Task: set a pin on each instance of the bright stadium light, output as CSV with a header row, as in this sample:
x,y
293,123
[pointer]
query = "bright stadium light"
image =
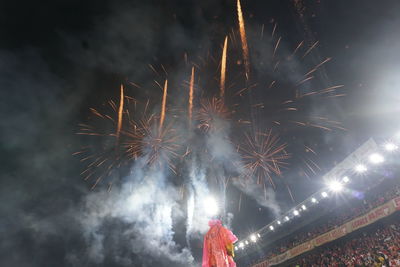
x,y
360,168
271,228
390,147
313,200
247,242
253,238
303,207
241,245
335,186
278,222
236,248
346,179
258,235
211,206
324,194
295,212
376,158
287,218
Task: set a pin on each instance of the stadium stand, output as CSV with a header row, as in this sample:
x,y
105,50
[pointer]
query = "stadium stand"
x,y
374,245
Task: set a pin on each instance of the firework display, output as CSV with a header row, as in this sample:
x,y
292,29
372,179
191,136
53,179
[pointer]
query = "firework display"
x,y
235,110
129,126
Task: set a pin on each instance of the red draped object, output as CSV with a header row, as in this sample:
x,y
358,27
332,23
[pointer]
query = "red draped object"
x,y
217,242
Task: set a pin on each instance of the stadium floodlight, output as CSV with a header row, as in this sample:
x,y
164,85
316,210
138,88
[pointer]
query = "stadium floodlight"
x,y
335,186
236,248
241,245
287,218
295,212
258,235
303,207
278,222
324,194
390,147
253,238
360,168
247,242
313,200
346,179
271,228
376,158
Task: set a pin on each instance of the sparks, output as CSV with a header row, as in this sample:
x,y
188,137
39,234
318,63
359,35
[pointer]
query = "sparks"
x,y
223,69
157,146
243,38
164,103
210,112
121,107
263,156
191,89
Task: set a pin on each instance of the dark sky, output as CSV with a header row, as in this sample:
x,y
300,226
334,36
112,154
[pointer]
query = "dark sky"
x,y
59,58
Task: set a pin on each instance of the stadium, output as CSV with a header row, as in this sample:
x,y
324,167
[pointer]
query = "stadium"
x,y
212,133
354,221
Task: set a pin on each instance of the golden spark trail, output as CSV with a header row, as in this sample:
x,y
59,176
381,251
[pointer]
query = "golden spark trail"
x,y
223,69
297,48
191,88
317,66
243,38
305,80
273,31
121,107
290,192
310,149
276,47
311,48
164,102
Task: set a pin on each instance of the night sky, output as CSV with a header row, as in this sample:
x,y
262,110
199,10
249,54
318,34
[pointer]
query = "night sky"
x,y
60,58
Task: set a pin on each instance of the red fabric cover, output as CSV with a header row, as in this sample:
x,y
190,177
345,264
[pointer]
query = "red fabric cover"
x,y
214,248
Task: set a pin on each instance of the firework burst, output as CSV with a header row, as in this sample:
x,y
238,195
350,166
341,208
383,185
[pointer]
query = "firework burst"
x,y
155,146
263,156
211,113
108,157
281,97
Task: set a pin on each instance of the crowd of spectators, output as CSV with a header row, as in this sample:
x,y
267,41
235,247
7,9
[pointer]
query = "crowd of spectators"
x,y
341,216
378,247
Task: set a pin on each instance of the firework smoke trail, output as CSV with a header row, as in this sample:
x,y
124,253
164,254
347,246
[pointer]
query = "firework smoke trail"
x,y
148,219
197,213
191,90
223,69
243,38
121,107
164,103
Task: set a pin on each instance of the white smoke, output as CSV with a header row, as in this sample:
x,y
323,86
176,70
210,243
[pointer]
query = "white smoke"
x,y
265,198
198,217
147,213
